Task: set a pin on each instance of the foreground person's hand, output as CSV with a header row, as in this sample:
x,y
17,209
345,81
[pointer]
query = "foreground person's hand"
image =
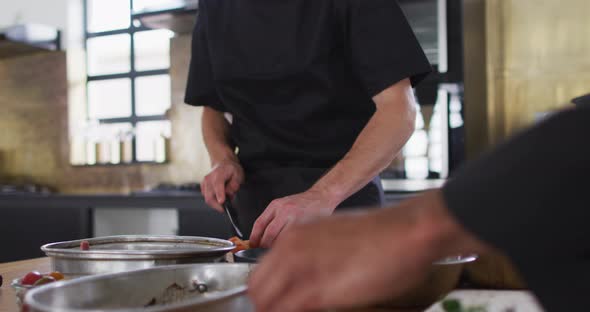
x,y
354,260
224,179
283,212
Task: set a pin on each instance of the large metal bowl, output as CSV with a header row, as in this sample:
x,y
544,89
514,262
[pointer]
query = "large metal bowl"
x,y
442,278
222,285
114,254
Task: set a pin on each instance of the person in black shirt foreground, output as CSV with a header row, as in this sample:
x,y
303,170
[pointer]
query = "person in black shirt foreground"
x,y
527,198
320,97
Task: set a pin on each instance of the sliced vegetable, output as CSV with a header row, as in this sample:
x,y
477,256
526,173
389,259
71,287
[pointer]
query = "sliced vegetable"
x,y
240,244
44,280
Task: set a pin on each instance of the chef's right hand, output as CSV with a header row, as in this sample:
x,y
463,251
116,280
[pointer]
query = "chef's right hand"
x,y
224,180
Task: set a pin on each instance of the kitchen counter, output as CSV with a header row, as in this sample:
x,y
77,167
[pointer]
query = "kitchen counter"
x,y
12,270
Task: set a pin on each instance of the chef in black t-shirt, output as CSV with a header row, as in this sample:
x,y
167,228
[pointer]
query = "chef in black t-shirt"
x,y
319,94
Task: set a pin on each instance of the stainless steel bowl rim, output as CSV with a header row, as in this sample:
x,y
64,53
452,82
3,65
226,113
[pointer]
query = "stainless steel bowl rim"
x,y
52,249
457,260
212,298
17,283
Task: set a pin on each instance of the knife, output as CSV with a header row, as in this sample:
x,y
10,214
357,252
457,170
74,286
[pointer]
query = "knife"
x,y
231,215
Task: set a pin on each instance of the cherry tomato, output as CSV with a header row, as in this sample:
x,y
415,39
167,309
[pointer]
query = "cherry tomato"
x,y
56,275
84,245
31,278
44,280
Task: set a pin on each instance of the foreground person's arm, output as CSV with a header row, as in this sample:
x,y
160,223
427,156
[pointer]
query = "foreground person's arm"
x,y
375,148
528,198
525,198
357,259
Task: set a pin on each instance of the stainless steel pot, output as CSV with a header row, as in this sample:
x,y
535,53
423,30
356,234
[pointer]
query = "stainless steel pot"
x,y
219,287
126,253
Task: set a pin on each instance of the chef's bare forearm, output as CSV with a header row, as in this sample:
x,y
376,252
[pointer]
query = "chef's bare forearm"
x,y
379,142
216,134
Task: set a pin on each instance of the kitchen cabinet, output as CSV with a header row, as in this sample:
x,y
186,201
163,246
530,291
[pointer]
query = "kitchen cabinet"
x,y
24,230
28,222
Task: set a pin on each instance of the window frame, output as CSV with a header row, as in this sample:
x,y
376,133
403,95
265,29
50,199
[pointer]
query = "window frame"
x,y
132,75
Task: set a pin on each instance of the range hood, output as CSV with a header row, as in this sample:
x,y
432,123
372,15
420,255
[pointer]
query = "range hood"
x,y
175,15
27,39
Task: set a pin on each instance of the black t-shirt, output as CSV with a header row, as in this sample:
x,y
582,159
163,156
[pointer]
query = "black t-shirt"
x,y
298,76
529,198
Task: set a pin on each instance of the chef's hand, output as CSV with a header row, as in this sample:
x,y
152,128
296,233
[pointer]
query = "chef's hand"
x,y
283,212
354,259
224,180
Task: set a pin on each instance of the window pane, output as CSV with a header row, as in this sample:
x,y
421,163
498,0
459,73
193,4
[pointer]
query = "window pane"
x,y
416,168
109,98
109,55
152,140
152,49
110,143
152,95
106,15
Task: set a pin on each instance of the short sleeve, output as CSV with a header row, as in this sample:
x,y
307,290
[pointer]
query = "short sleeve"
x,y
200,87
383,46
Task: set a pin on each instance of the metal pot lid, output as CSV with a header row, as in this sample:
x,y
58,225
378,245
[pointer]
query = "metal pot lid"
x,y
140,247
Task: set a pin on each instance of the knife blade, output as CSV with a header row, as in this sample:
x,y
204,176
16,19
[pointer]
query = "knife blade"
x,y
231,215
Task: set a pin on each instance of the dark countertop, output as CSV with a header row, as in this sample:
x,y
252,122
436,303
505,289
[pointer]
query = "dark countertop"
x,y
180,200
172,200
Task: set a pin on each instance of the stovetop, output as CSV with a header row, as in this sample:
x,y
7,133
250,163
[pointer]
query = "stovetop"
x,y
24,189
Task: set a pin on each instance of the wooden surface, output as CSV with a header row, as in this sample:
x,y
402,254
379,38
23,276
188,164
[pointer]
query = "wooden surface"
x,y
12,270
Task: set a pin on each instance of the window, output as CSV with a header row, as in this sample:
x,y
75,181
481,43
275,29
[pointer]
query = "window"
x,y
128,85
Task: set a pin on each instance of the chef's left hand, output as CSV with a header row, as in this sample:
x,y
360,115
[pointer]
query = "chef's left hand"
x,y
283,212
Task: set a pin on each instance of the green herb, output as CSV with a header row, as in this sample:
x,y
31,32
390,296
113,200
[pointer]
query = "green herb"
x,y
454,305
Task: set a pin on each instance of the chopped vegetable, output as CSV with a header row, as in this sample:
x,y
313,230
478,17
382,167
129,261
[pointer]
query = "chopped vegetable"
x,y
84,245
31,278
44,280
58,276
240,244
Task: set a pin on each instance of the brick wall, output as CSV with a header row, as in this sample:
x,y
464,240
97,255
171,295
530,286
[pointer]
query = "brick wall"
x,y
34,140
